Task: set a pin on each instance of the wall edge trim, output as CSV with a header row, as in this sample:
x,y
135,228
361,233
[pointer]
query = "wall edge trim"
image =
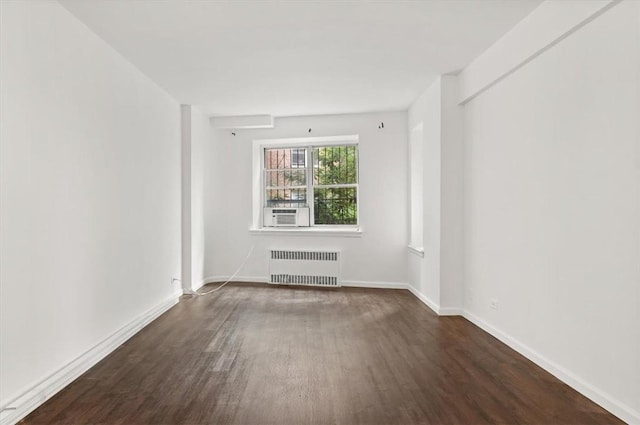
x,y
425,300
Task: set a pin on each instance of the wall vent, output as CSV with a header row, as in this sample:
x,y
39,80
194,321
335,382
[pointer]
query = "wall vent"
x,y
304,255
313,268
294,279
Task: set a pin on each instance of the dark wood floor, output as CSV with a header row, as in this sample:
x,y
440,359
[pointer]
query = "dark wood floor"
x,y
259,354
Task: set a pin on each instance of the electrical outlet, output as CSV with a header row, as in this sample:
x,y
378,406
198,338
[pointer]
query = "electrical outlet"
x,y
493,304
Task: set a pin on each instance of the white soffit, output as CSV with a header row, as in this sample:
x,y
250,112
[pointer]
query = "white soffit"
x,y
240,122
547,25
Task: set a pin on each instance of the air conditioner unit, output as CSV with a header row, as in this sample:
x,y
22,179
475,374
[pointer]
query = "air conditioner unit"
x,y
288,217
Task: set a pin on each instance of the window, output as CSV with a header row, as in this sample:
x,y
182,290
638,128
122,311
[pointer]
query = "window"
x,y
335,184
331,181
285,177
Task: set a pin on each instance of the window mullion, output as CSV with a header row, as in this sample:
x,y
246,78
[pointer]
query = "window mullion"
x,y
336,186
310,194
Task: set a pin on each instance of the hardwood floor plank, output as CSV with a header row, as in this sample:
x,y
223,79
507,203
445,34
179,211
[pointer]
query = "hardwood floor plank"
x,y
260,354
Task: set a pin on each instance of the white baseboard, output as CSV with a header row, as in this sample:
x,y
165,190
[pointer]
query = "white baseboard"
x,y
440,311
349,283
31,399
37,395
198,285
221,279
605,400
433,306
376,285
609,403
450,311
617,408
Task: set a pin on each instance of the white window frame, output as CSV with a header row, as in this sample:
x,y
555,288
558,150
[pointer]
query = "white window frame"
x,y
309,143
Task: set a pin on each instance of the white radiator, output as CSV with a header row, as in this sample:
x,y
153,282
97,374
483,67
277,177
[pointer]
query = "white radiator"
x,y
313,268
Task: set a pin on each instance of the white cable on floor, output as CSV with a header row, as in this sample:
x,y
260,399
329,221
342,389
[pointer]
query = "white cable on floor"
x,y
229,280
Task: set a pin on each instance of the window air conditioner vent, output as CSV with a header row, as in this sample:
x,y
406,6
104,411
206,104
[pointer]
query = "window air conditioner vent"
x,y
285,220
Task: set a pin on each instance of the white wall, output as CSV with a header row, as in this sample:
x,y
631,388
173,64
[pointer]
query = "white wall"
x,y
451,198
416,182
186,232
196,133
378,256
437,278
201,135
425,271
90,191
552,208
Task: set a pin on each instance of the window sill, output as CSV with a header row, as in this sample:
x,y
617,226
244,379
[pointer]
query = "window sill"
x,y
416,250
351,232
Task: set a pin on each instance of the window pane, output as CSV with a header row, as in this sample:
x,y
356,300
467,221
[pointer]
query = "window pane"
x,y
284,170
298,158
296,177
275,159
286,198
335,205
335,165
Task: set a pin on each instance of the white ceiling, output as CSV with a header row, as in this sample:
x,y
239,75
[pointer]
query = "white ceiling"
x,y
298,57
